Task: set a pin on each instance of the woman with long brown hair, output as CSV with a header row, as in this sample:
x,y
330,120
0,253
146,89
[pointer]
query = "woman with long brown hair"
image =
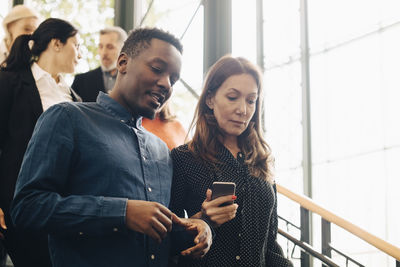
x,y
228,146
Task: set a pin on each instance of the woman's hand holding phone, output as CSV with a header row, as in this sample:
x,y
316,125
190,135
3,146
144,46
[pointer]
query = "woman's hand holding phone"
x,y
216,213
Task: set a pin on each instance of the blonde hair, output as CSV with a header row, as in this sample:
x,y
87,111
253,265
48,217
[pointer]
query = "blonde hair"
x,y
17,12
205,139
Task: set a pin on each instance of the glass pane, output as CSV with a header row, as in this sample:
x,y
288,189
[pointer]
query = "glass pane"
x,y
244,30
174,16
390,84
355,115
283,115
334,21
282,84
347,101
392,197
281,31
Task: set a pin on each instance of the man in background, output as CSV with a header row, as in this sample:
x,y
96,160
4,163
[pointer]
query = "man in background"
x,y
88,84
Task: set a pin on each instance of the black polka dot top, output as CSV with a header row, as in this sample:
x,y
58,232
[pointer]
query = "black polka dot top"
x,y
247,240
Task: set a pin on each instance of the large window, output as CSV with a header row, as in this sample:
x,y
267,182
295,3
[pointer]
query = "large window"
x,y
354,87
354,90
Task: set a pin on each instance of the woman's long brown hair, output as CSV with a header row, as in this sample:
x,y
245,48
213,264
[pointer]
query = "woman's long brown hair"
x,y
205,139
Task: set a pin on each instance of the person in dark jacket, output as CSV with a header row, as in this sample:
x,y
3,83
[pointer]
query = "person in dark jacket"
x,y
102,79
30,82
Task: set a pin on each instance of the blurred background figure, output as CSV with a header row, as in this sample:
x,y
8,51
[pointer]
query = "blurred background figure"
x,y
20,20
89,84
166,127
30,82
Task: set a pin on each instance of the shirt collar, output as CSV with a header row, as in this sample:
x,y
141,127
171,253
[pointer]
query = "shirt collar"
x,y
109,73
38,73
117,110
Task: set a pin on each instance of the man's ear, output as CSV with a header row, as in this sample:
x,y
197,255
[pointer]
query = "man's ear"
x,y
122,63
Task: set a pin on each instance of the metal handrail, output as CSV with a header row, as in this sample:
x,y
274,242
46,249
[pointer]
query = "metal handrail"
x,y
308,249
310,205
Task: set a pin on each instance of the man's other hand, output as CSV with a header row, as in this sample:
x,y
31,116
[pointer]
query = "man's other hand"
x,y
150,218
202,232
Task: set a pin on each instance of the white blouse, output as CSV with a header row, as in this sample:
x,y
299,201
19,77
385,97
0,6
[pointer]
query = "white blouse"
x,y
50,91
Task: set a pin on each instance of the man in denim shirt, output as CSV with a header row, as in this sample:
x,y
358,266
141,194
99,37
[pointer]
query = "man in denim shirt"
x,y
96,181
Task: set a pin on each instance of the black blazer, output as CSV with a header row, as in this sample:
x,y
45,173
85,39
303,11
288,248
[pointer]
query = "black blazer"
x,y
20,108
89,84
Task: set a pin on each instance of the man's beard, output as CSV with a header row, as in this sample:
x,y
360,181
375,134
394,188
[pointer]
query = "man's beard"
x,y
113,66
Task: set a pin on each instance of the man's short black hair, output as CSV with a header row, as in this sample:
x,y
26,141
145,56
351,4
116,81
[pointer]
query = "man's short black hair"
x,y
140,39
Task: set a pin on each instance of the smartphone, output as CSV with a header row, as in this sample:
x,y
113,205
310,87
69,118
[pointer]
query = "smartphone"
x,y
220,189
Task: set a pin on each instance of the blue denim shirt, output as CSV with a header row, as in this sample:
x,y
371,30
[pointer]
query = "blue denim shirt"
x,y
82,164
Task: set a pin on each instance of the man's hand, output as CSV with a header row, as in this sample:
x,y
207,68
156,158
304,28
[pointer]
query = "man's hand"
x,y
2,223
202,232
150,218
215,214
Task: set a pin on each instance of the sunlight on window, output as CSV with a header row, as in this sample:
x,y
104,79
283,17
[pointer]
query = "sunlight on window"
x,y
354,87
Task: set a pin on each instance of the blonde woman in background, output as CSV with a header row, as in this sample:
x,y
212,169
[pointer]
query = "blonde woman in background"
x,y
20,20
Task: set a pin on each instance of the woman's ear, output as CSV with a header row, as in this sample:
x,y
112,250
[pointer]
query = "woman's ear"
x,y
56,45
210,102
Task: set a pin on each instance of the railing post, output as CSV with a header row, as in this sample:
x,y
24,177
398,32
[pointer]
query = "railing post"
x,y
305,235
326,238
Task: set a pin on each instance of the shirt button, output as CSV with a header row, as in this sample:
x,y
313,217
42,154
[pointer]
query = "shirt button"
x,y
152,256
80,233
239,235
115,229
122,121
143,157
237,258
149,189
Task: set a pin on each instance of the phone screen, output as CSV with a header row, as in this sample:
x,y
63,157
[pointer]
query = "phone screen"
x,y
220,189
